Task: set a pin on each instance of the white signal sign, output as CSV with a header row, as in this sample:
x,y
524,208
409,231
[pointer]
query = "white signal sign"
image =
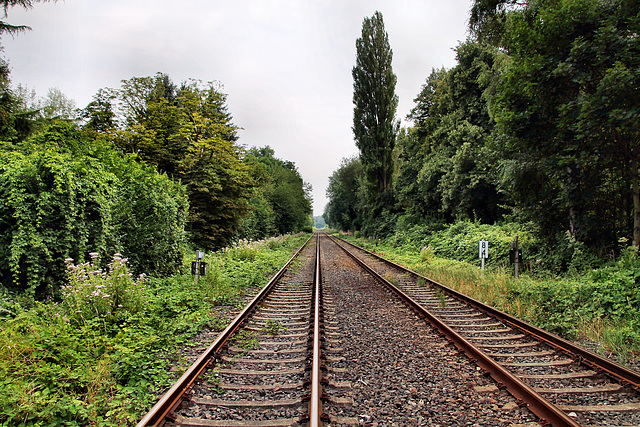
x,y
483,249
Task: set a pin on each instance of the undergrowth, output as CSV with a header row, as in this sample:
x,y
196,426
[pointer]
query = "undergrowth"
x,y
599,304
96,358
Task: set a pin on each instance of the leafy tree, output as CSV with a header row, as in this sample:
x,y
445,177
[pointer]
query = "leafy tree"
x,y
100,115
58,105
345,208
415,198
564,62
375,104
446,149
187,133
15,123
219,184
609,111
55,105
260,223
489,16
282,201
419,171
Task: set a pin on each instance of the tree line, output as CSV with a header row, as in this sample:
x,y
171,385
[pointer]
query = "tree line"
x,y
147,170
538,123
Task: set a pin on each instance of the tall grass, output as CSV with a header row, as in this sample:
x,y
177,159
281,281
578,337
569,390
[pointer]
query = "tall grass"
x,y
492,287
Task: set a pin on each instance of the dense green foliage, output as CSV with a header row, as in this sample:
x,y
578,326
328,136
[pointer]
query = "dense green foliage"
x,y
186,132
281,202
343,210
64,196
446,148
152,167
566,108
538,124
94,360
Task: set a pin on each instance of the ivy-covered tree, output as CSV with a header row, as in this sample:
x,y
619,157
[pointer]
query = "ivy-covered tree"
x,y
375,103
64,194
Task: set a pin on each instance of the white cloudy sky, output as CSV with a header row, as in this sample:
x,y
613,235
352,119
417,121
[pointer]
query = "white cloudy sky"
x,y
285,64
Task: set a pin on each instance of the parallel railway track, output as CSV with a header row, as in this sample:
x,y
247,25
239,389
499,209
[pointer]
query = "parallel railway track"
x,y
559,381
255,372
287,360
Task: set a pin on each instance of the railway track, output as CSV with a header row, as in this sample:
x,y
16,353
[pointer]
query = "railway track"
x,y
366,357
560,382
256,373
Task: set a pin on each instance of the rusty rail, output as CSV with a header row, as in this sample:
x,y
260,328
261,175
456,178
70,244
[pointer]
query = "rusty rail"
x,y
172,398
315,404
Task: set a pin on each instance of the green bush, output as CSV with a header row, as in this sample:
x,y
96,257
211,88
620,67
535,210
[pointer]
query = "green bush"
x,y
459,241
63,195
149,215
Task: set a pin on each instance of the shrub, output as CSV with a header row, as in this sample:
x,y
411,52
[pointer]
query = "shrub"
x,y
80,373
63,195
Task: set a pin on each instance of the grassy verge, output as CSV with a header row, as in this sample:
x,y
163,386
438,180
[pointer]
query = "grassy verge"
x,y
601,305
93,359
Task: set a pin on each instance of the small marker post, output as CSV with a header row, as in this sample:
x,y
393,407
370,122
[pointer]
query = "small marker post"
x,y
483,251
195,266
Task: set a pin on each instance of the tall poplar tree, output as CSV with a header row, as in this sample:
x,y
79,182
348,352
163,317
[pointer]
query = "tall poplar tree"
x,y
375,103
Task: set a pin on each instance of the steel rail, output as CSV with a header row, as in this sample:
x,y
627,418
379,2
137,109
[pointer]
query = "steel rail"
x,y
619,372
172,398
315,403
535,402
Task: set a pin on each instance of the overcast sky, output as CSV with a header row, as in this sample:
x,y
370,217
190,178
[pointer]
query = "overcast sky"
x,y
285,64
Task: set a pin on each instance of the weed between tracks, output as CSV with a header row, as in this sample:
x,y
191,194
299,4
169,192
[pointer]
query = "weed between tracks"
x,y
246,340
273,327
442,298
389,277
212,377
109,368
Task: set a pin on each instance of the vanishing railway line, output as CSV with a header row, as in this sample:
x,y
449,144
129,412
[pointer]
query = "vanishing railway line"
x,y
562,383
329,341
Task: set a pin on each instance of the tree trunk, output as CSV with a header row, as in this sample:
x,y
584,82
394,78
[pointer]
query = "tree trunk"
x,y
574,191
635,192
